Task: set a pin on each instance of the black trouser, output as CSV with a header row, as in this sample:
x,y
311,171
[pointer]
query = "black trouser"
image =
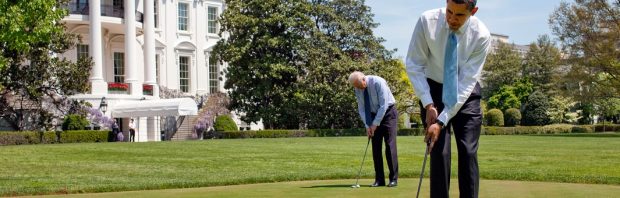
x,y
466,125
132,135
386,131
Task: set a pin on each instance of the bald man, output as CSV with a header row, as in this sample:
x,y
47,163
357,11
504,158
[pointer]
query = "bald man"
x,y
375,104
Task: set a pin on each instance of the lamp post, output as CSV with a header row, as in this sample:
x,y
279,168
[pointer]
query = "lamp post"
x,y
103,106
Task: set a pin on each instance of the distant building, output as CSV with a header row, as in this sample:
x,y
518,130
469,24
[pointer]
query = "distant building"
x,y
496,38
138,45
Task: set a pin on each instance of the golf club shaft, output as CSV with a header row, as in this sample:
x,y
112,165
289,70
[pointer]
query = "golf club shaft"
x,y
363,159
423,166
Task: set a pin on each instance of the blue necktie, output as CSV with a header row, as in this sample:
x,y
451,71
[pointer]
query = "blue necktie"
x,y
450,76
367,107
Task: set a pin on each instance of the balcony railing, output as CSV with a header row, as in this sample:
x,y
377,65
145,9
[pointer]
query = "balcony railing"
x,y
106,10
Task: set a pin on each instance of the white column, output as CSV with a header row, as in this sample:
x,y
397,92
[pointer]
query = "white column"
x,y
152,128
141,129
131,74
98,85
149,46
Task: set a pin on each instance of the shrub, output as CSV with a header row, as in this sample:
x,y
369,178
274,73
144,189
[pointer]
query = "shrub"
x,y
556,128
225,123
535,113
495,118
582,129
265,134
74,122
411,132
512,117
338,132
607,127
84,136
27,137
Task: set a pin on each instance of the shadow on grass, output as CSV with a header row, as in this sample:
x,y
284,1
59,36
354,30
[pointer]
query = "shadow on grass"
x,y
330,186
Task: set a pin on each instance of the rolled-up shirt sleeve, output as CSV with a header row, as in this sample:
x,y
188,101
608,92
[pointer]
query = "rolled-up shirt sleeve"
x,y
416,61
469,75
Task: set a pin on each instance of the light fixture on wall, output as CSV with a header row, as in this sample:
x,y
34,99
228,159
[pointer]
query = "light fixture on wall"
x,y
103,106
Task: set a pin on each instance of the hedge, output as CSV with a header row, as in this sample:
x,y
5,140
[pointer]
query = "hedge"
x,y
518,130
549,129
84,136
32,137
304,133
607,127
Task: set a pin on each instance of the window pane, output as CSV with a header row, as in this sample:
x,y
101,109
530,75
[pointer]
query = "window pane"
x,y
156,13
82,51
184,73
183,16
213,75
157,68
212,17
119,67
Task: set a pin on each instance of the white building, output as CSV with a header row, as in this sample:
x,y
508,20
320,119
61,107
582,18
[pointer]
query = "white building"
x,y
496,38
138,45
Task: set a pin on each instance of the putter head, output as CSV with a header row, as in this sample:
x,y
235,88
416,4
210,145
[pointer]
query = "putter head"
x,y
355,186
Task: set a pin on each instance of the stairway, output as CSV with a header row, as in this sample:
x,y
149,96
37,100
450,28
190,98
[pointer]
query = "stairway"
x,y
186,129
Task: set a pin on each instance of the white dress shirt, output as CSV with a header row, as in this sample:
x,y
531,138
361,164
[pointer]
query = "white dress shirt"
x,y
425,58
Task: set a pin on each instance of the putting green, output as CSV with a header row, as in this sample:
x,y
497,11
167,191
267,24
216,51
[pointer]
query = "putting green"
x,y
342,188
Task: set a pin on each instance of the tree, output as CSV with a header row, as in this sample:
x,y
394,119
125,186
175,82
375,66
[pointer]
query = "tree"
x,y
266,51
216,104
541,64
33,80
406,100
535,111
511,96
590,33
609,109
501,68
559,107
290,60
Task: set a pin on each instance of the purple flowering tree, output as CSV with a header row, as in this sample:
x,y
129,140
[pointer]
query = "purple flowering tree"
x,y
215,105
95,116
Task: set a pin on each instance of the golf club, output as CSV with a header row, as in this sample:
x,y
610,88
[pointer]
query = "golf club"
x,y
360,171
428,143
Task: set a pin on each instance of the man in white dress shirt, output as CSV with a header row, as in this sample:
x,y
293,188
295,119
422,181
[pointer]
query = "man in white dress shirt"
x,y
444,64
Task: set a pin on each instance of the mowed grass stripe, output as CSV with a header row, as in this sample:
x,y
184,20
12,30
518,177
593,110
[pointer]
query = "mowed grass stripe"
x,y
105,167
341,188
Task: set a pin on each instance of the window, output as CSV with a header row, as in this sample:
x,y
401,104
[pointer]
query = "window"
x,y
184,74
82,51
119,67
213,75
212,20
157,68
156,13
183,16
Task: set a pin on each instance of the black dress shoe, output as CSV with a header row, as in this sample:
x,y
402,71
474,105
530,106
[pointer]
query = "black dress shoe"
x,y
393,183
377,184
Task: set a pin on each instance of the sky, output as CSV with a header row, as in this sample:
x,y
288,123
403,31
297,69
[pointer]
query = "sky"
x,y
522,20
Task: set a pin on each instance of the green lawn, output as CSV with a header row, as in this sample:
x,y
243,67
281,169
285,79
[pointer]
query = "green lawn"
x,y
341,188
105,167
